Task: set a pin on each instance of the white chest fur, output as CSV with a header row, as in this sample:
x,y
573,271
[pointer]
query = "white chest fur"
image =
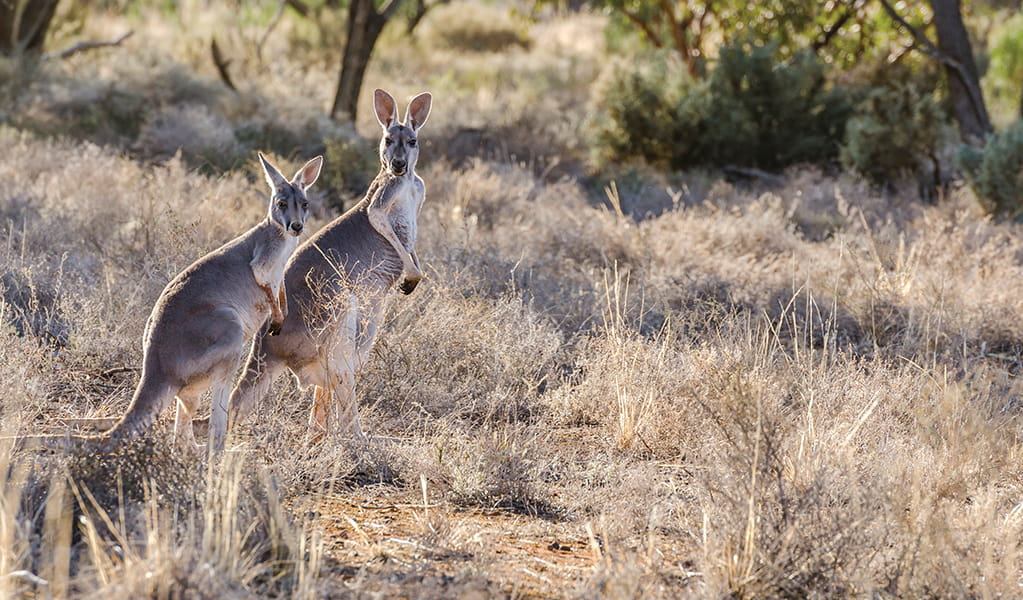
x,y
270,258
403,210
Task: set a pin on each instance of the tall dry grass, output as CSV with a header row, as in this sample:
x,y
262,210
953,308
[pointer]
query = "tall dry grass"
x,y
809,391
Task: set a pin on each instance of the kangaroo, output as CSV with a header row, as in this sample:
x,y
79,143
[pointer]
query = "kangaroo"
x,y
339,282
194,337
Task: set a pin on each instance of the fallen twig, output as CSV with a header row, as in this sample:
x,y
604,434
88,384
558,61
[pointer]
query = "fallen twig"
x,y
752,173
83,46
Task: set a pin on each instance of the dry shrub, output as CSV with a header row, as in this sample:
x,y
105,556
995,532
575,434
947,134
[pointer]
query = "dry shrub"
x,y
195,131
811,392
504,467
152,525
472,27
477,359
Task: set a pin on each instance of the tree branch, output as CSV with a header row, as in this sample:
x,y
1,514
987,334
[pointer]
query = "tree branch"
x,y
83,46
676,30
299,7
925,45
830,32
644,27
221,64
269,28
389,9
421,9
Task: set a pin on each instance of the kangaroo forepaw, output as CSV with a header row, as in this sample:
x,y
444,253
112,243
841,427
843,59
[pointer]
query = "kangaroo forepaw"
x,y
408,285
275,327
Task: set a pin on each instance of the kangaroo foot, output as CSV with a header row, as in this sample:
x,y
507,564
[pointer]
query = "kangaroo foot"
x,y
408,285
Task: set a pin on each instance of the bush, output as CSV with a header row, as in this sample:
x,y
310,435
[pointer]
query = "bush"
x,y
996,171
473,27
896,130
751,111
1002,82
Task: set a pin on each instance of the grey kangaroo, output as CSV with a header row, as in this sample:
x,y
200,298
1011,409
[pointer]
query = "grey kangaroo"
x,y
340,281
194,338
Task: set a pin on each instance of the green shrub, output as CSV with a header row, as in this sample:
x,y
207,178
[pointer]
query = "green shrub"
x,y
350,163
1003,81
996,171
777,114
751,111
896,130
637,118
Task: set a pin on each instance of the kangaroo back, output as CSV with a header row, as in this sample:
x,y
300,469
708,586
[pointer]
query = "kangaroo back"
x,y
340,281
194,336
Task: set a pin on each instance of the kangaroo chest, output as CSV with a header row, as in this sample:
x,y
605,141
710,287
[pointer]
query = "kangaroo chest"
x,y
269,262
403,211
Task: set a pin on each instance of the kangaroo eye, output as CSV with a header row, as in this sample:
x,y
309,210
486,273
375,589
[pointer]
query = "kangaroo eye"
x,y
305,205
388,141
281,204
412,143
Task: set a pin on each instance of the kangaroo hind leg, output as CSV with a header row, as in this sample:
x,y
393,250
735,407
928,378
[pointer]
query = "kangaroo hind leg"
x,y
184,436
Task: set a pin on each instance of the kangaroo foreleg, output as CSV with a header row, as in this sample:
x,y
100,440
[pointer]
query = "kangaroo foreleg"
x,y
408,285
276,314
282,302
378,219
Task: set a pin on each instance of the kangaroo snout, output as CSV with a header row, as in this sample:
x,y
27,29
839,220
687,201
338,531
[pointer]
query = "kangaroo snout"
x,y
296,228
398,166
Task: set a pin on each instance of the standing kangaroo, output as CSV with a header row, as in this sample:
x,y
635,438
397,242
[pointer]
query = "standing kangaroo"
x,y
195,335
340,281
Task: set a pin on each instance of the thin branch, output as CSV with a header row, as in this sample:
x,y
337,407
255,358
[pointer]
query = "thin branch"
x,y
421,9
269,28
218,60
926,46
676,29
751,173
299,7
389,9
830,31
644,27
83,46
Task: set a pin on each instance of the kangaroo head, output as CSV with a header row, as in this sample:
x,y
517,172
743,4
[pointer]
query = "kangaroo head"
x,y
399,148
289,206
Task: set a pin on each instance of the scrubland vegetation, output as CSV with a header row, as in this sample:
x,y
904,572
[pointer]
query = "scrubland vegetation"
x,y
621,378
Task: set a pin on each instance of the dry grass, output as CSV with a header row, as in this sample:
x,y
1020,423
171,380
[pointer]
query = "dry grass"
x,y
694,389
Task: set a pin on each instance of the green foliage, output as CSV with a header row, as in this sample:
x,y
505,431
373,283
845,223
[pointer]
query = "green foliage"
x,y
751,111
897,129
841,33
1004,77
996,171
350,163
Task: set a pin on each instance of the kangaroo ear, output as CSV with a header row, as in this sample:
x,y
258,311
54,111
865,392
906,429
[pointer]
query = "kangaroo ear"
x,y
386,108
307,175
418,110
273,177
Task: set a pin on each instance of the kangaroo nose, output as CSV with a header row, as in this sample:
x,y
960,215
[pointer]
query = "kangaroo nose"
x,y
296,227
398,166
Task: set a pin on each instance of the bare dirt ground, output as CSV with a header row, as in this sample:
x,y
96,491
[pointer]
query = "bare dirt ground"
x,y
381,532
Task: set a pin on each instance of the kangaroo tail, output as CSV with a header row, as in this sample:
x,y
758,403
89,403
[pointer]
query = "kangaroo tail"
x,y
151,396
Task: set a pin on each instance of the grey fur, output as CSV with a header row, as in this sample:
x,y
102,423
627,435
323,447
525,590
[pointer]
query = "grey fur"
x,y
195,335
339,282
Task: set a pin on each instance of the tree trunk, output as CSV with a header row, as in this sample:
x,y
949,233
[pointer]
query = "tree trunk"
x,y
364,27
961,70
27,33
